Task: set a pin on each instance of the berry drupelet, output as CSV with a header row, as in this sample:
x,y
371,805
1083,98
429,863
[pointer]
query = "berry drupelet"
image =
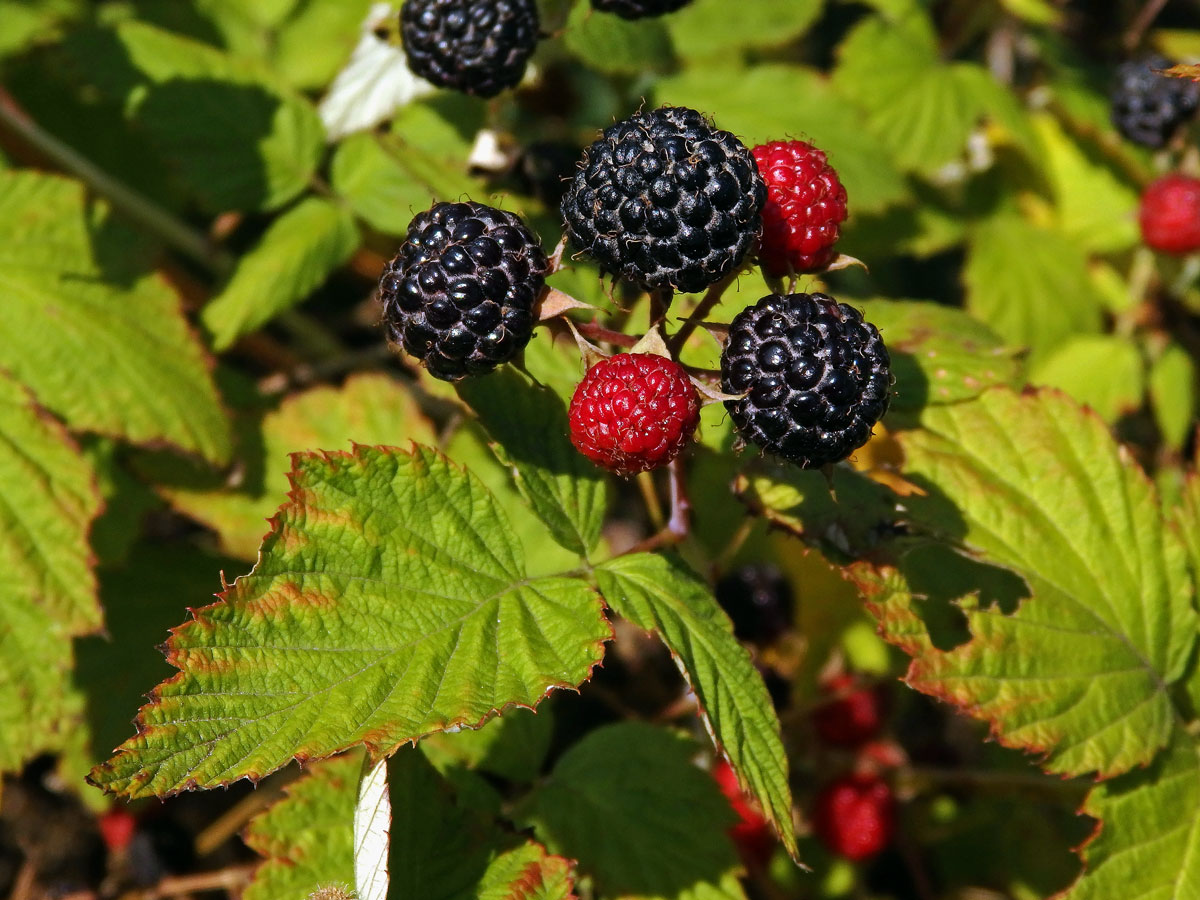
x,y
459,295
855,816
1148,108
666,200
805,205
759,601
634,412
479,47
639,9
816,377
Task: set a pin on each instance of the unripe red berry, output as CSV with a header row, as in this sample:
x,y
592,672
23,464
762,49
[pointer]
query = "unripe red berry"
x,y
855,816
634,412
852,717
1170,214
117,827
805,205
752,834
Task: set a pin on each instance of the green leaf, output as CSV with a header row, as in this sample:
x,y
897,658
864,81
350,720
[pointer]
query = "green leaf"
x,y
372,827
760,104
389,601
939,354
706,28
48,499
1173,394
629,805
1093,202
512,746
240,141
367,409
1081,671
660,594
530,433
115,356
35,666
316,41
307,837
387,181
299,251
611,44
1038,302
1148,842
1102,371
919,108
527,872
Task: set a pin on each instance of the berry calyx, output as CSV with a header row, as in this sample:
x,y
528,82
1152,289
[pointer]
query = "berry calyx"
x,y
816,377
852,717
633,412
1170,214
459,295
759,601
855,816
638,9
478,47
666,200
1148,108
751,834
805,205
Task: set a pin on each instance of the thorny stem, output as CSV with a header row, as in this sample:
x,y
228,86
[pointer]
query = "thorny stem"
x,y
597,332
1133,36
141,209
698,315
654,508
681,507
660,302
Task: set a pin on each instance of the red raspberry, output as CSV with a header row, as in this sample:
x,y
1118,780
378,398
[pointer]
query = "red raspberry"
x,y
855,816
752,834
805,204
852,717
117,827
1170,214
633,412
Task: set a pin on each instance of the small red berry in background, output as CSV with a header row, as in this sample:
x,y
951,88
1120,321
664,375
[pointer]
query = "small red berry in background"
x,y
855,816
1170,215
752,834
634,412
805,205
117,827
853,716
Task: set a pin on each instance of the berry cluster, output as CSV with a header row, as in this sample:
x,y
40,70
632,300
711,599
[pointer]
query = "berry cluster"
x,y
805,205
1149,108
1170,214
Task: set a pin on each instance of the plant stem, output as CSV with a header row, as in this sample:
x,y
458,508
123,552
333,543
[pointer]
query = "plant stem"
x,y
1133,35
145,212
703,308
597,332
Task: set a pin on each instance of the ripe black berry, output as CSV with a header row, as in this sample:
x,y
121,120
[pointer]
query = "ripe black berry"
x,y
476,46
666,200
815,375
1148,108
459,295
639,9
759,601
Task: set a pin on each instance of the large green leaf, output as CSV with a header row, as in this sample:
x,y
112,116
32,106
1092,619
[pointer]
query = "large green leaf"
x,y
1030,284
113,356
36,713
612,44
630,806
1082,670
706,28
367,409
307,837
239,140
298,252
760,104
921,109
390,601
1147,844
659,593
529,427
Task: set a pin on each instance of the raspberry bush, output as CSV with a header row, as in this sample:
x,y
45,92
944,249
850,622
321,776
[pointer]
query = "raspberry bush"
x,y
660,449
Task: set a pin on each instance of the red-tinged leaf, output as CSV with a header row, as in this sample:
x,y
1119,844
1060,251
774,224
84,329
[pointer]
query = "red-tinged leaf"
x,y
390,601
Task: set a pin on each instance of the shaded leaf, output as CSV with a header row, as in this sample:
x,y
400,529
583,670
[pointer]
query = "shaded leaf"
x,y
512,746
307,837
660,594
1102,371
629,805
437,625
1172,382
1081,671
530,433
609,43
706,28
299,251
113,356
